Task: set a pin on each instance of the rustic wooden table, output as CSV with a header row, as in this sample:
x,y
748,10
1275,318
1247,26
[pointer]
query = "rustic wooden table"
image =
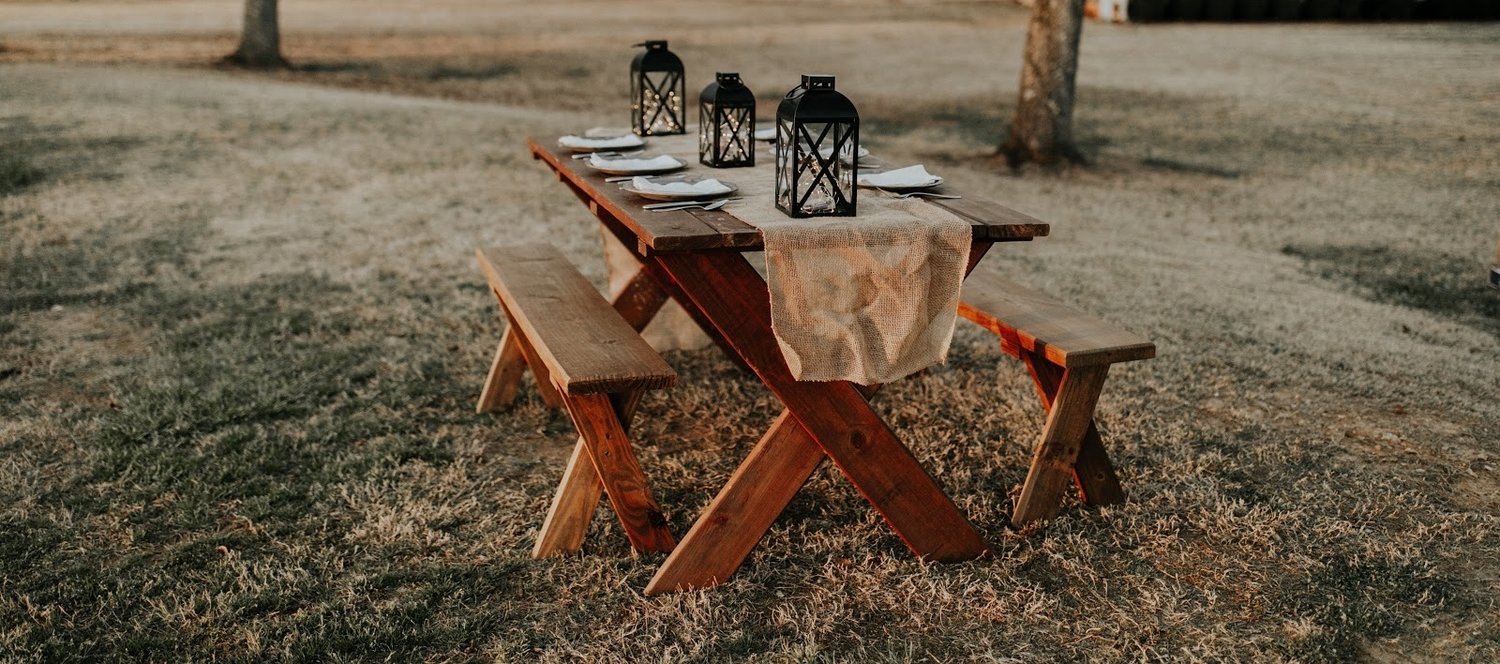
x,y
696,258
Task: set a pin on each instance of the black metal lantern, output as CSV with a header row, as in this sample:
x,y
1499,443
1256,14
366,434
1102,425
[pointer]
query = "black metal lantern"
x,y
657,91
817,140
726,123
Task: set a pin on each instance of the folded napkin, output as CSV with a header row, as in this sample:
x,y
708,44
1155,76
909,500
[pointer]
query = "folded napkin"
x,y
707,187
657,163
606,132
911,176
613,142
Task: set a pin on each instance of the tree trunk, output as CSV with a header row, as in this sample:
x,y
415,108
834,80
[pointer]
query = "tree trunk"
x,y
260,44
1042,129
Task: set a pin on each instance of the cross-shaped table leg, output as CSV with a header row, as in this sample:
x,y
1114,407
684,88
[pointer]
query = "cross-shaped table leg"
x,y
831,419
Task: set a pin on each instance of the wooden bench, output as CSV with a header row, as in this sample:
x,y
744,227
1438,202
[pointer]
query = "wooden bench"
x,y
1068,353
586,357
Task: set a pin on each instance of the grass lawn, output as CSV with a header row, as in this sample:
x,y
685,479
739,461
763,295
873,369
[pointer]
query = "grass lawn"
x,y
241,333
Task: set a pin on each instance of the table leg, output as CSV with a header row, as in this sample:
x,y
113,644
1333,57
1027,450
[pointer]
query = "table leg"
x,y
1057,450
835,415
744,510
666,282
1093,473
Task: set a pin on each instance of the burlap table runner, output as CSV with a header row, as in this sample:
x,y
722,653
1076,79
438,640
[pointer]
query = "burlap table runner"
x,y
868,299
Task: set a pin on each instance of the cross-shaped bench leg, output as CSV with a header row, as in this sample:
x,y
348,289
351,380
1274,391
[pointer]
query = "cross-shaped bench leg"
x,y
1093,472
1069,419
578,493
601,430
512,357
580,489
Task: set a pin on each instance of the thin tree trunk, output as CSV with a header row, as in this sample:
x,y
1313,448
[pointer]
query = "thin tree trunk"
x,y
260,43
1042,129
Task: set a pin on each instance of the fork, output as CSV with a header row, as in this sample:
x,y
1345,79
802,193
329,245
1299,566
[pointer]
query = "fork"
x,y
919,194
673,207
586,155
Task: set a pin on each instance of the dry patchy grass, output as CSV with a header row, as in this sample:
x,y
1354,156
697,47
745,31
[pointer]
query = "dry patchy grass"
x,y
240,333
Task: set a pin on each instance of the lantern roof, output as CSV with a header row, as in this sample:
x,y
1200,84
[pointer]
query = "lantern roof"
x,y
727,88
656,57
816,100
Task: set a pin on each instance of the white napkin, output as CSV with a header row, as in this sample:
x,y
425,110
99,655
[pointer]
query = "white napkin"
x,y
605,132
911,176
658,163
615,142
707,187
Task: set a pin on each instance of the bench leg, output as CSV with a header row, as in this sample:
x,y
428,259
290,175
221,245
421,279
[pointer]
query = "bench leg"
x,y
608,446
1057,451
504,379
578,493
572,507
1093,472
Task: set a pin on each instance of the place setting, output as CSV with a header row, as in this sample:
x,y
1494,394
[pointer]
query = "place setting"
x,y
604,142
676,192
908,182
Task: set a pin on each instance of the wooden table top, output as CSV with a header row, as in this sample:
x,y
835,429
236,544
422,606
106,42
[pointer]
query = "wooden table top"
x,y
695,230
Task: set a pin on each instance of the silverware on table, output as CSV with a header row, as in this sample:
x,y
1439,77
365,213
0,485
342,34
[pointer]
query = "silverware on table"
x,y
688,205
919,194
615,153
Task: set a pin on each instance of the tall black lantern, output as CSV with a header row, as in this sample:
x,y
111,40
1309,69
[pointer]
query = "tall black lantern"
x,y
726,123
657,91
817,138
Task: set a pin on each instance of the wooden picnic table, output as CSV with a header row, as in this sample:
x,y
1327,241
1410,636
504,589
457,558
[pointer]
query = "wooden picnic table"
x,y
696,258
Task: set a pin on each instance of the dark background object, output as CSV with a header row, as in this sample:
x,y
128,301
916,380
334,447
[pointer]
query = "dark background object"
x,y
1218,10
1390,10
1321,10
1286,10
1147,11
1185,10
1251,10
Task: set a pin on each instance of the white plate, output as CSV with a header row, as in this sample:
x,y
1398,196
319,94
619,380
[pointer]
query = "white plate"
x,y
767,135
605,144
911,180
690,179
624,168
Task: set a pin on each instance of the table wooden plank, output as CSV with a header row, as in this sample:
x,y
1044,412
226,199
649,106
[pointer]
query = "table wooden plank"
x,y
692,230
660,231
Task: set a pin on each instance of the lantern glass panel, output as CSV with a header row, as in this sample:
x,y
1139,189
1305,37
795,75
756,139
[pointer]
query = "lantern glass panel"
x,y
657,91
817,136
726,123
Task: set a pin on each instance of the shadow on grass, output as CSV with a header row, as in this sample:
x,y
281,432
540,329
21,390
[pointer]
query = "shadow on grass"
x,y
1447,285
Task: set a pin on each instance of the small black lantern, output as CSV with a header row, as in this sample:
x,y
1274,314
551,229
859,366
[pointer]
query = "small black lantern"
x,y
817,140
726,123
657,91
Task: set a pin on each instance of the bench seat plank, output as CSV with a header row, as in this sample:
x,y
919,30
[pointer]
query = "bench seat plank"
x,y
1064,335
586,346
